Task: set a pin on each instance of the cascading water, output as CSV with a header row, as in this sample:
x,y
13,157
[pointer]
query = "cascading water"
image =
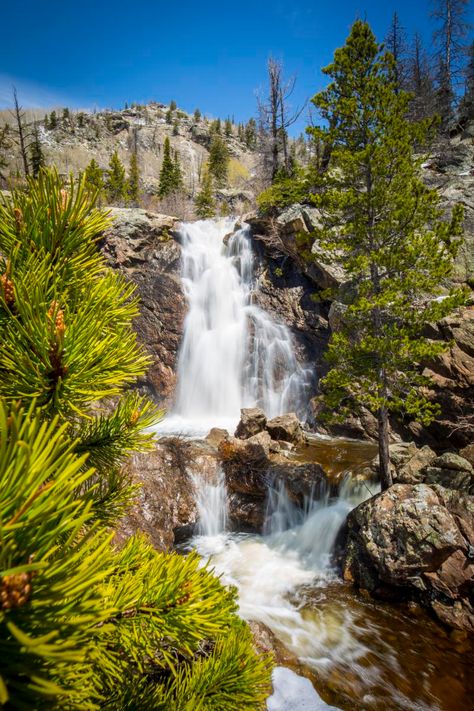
x,y
233,354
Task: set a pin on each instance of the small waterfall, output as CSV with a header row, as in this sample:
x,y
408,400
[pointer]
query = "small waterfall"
x,y
233,354
211,501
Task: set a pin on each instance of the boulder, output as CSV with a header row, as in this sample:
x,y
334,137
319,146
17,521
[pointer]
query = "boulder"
x,y
468,453
302,482
287,428
252,421
452,461
216,435
410,470
415,542
246,512
245,464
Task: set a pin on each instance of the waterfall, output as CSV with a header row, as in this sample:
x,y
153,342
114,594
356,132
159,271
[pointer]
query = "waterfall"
x,y
211,503
233,354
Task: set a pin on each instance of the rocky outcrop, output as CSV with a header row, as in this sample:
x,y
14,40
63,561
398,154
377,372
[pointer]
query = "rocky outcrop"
x,y
142,245
416,542
165,508
258,462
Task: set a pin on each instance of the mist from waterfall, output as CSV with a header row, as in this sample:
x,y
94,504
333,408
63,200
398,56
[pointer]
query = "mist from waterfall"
x,y
233,354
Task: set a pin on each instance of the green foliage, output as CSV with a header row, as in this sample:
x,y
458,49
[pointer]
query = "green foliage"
x,y
53,121
134,180
250,134
197,115
284,191
384,226
171,179
228,128
36,153
94,179
117,189
175,128
205,202
172,105
82,624
66,115
218,160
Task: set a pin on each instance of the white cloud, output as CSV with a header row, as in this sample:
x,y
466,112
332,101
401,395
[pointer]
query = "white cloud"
x,y
31,95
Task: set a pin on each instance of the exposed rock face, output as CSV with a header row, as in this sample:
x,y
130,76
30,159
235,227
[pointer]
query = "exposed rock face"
x,y
166,507
416,541
143,247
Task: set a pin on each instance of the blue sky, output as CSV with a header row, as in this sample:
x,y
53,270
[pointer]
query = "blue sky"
x,y
212,55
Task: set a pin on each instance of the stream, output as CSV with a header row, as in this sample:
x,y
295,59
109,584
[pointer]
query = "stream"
x,y
351,652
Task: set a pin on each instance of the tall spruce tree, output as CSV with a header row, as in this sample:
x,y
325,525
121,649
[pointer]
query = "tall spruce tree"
x,y
84,625
218,160
134,180
37,159
116,182
169,175
385,227
205,202
94,179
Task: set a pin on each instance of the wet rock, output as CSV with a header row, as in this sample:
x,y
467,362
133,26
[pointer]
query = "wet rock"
x,y
245,464
468,453
302,482
266,641
287,428
252,421
416,541
165,508
246,512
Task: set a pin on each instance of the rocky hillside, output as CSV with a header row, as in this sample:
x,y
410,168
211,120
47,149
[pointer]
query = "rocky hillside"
x,y
73,139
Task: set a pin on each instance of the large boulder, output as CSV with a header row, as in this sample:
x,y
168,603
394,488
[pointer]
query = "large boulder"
x,y
286,428
452,471
416,541
142,246
252,421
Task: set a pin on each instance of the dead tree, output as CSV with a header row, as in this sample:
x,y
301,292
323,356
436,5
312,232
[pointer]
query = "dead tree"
x,y
19,116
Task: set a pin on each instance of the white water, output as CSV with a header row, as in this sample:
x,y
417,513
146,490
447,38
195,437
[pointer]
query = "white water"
x,y
268,571
233,354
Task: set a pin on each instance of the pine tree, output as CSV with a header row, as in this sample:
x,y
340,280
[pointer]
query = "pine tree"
x,y
420,82
134,180
53,121
204,201
169,176
23,135
384,225
173,105
177,173
396,43
228,128
116,182
37,160
83,624
94,179
197,115
218,160
175,128
251,134
66,115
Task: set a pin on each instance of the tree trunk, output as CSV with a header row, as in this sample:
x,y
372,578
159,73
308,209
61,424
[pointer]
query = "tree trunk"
x,y
384,457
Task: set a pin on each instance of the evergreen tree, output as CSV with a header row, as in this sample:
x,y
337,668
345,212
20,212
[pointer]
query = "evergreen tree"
x,y
83,624
204,201
228,128
197,115
94,179
420,82
177,173
53,121
169,117
251,134
175,128
241,133
173,105
116,182
66,115
384,225
36,153
170,177
134,180
81,118
218,160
